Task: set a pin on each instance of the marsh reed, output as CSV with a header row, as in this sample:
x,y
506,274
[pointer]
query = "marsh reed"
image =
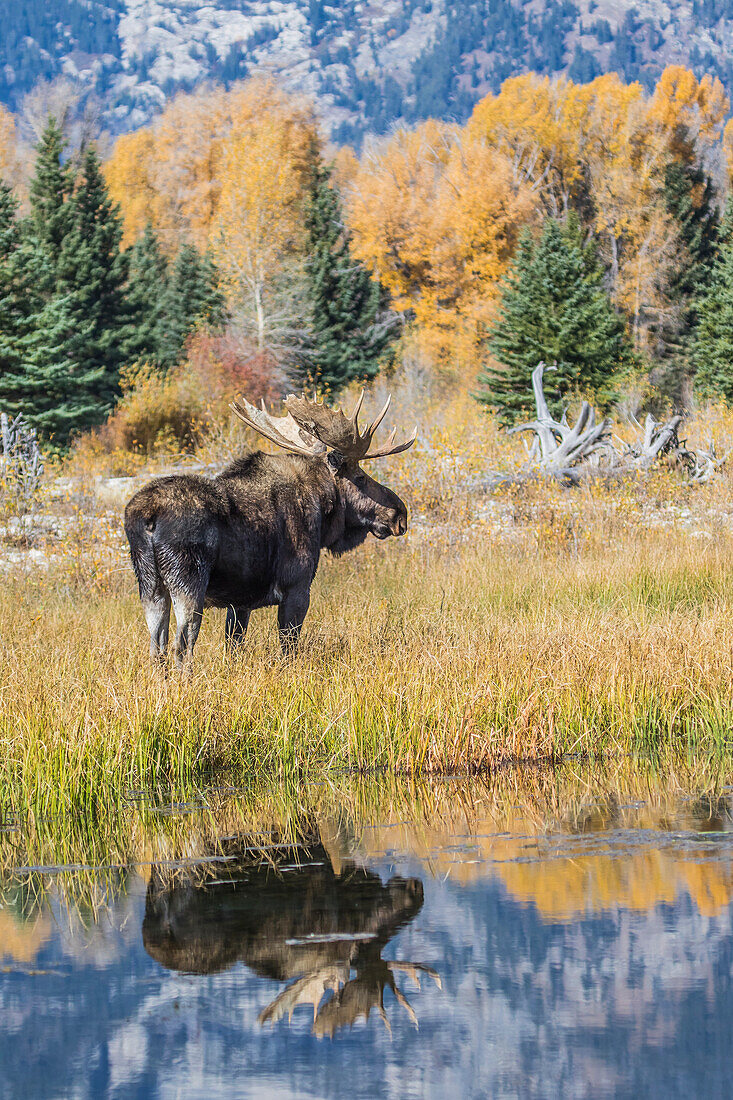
x,y
415,659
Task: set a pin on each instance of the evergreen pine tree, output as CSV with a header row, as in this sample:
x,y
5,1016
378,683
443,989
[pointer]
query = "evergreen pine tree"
x,y
51,188
63,361
192,298
91,276
147,298
350,329
55,394
18,296
690,199
713,344
36,376
554,308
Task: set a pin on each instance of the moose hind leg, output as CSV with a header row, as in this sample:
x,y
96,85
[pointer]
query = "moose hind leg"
x,y
157,608
290,615
235,628
189,611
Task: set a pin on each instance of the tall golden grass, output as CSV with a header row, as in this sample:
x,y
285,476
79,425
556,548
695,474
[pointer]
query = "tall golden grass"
x,y
414,659
521,626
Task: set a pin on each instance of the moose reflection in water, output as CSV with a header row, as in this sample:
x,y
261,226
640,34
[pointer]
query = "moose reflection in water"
x,y
285,912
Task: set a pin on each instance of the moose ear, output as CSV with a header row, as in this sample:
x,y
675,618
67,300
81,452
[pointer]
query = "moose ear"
x,y
335,460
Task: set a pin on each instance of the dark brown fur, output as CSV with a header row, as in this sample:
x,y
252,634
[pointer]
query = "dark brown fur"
x,y
249,538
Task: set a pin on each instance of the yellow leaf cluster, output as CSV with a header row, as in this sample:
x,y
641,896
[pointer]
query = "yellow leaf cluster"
x,y
177,172
437,216
536,122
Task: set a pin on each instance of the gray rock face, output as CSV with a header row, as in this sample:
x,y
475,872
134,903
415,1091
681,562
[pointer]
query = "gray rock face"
x,y
367,65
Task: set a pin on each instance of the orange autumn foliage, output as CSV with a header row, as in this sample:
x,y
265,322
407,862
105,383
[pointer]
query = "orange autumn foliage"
x,y
434,211
602,148
173,172
437,216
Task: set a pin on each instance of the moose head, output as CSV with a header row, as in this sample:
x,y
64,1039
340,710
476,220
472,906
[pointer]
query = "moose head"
x,y
313,430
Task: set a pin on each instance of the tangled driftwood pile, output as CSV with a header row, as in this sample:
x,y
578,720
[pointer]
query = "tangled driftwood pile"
x,y
589,447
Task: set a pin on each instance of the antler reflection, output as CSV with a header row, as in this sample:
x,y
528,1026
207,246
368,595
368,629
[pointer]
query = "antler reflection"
x,y
353,997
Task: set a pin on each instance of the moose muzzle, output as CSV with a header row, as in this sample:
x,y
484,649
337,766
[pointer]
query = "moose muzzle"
x,y
399,524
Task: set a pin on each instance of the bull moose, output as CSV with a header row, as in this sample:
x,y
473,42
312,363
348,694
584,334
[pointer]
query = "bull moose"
x,y
252,536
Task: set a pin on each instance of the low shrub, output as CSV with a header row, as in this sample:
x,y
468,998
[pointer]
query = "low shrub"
x,y
169,412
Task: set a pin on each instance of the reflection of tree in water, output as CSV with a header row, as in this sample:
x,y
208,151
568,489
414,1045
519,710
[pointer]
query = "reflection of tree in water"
x,y
24,926
285,912
579,869
706,813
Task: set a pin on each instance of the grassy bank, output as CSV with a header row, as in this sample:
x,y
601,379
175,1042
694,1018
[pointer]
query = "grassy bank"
x,y
576,626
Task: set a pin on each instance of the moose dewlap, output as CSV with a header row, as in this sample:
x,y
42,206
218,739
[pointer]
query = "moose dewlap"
x,y
252,536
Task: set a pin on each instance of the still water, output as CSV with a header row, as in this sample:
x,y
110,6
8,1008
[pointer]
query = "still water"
x,y
541,939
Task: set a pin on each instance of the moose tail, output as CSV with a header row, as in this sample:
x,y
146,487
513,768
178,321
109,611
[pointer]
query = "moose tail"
x,y
139,528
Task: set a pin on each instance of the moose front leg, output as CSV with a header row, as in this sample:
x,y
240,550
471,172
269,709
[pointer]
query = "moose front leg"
x,y
235,627
290,615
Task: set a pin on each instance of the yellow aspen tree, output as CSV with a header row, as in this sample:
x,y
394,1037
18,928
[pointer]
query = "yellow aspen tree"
x,y
128,174
437,214
623,160
690,113
392,208
167,172
534,122
171,172
483,211
258,224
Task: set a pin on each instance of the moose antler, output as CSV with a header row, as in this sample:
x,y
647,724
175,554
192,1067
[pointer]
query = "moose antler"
x,y
308,990
352,997
311,428
342,433
364,992
281,430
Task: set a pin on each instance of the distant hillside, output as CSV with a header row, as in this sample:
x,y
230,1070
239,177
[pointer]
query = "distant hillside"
x,y
368,64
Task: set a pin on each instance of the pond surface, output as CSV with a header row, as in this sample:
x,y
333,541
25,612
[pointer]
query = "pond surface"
x,y
441,942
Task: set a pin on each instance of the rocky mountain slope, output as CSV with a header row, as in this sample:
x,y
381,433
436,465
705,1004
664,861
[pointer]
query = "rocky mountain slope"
x,y
367,63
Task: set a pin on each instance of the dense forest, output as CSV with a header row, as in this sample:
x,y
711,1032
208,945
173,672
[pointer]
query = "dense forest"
x,y
220,248
94,308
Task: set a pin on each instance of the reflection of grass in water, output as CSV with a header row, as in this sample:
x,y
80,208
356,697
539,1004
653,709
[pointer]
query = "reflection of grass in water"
x,y
355,817
414,660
